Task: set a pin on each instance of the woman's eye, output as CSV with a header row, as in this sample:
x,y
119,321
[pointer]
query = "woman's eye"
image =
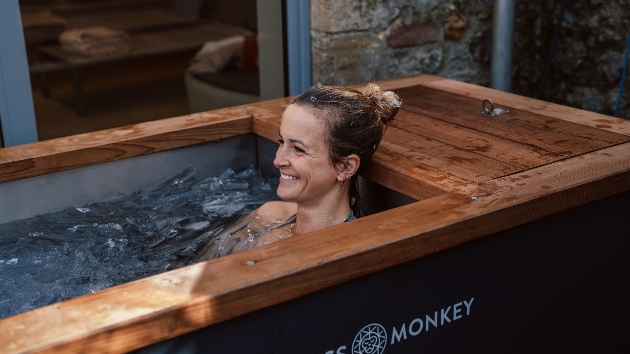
x,y
298,150
281,141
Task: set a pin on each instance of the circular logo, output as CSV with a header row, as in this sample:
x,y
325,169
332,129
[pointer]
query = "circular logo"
x,y
370,340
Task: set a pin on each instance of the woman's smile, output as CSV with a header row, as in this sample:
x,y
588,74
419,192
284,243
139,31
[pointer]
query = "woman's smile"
x,y
288,177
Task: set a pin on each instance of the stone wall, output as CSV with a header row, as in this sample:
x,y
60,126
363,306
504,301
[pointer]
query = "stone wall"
x,y
588,60
356,41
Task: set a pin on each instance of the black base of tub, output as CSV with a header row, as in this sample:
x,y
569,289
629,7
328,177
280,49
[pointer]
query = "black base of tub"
x,y
556,285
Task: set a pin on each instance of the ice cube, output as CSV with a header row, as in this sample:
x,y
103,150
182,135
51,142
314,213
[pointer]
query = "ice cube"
x,y
198,225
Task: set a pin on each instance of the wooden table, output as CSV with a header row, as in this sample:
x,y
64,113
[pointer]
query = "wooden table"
x,y
146,44
473,175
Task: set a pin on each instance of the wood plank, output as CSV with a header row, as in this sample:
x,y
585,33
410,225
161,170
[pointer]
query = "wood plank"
x,y
266,123
472,161
415,174
570,114
133,315
555,187
493,147
55,155
267,116
401,82
382,173
563,137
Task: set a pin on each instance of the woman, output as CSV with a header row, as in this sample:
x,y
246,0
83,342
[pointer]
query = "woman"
x,y
325,136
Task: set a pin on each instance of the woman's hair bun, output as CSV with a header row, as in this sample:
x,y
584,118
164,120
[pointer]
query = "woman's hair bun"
x,y
386,102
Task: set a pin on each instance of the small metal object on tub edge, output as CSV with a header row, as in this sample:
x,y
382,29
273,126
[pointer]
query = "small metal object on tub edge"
x,y
492,111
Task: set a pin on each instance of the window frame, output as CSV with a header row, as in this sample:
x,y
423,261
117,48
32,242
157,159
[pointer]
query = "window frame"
x,y
17,112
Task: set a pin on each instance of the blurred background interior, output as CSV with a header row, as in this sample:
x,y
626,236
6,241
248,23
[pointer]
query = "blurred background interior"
x,y
98,64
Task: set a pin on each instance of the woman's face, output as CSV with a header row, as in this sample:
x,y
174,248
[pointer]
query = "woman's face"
x,y
306,173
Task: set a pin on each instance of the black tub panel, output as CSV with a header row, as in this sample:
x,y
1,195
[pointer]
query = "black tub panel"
x,y
558,284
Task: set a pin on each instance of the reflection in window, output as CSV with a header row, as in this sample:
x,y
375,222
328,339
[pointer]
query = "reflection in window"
x,y
98,64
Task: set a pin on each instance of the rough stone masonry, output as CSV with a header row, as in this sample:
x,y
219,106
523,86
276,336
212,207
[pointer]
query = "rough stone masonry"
x,y
356,41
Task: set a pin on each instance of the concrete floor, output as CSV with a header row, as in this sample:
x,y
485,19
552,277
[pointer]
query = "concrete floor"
x,y
114,95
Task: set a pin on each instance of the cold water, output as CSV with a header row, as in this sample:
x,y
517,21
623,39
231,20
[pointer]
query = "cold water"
x,y
58,256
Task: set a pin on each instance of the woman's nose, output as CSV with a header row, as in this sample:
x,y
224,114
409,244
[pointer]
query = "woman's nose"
x,y
280,159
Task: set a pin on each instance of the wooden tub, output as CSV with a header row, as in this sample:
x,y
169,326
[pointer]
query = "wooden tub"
x,y
518,240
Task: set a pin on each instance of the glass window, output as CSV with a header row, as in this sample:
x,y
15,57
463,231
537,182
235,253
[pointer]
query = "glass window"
x,y
98,64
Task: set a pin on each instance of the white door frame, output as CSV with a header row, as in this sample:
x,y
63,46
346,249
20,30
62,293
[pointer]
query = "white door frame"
x,y
284,24
17,113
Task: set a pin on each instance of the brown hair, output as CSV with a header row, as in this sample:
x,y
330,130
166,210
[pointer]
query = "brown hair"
x,y
355,122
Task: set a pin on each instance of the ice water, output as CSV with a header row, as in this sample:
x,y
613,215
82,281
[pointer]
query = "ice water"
x,y
82,249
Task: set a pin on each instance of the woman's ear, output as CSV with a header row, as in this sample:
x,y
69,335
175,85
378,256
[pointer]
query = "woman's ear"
x,y
348,167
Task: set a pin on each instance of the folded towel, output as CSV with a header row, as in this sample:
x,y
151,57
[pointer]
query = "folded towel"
x,y
95,41
216,55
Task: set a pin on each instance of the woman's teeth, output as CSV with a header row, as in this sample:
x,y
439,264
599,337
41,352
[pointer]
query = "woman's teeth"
x,y
283,176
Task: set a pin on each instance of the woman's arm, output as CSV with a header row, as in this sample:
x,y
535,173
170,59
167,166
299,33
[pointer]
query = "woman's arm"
x,y
242,233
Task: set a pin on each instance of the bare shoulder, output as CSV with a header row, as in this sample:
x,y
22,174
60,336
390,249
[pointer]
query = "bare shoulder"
x,y
277,210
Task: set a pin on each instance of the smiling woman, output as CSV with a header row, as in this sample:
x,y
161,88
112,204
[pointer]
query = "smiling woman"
x,y
326,135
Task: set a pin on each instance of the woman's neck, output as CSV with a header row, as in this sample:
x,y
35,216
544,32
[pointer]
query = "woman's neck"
x,y
327,213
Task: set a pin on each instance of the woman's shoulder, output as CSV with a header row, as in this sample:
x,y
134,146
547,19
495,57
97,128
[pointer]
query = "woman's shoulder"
x,y
277,210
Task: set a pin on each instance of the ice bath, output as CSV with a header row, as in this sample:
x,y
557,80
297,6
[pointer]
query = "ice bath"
x,y
82,249
537,238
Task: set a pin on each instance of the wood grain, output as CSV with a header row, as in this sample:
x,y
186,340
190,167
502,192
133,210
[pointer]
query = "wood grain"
x,y
107,145
556,135
267,124
455,155
416,174
511,153
398,83
570,114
